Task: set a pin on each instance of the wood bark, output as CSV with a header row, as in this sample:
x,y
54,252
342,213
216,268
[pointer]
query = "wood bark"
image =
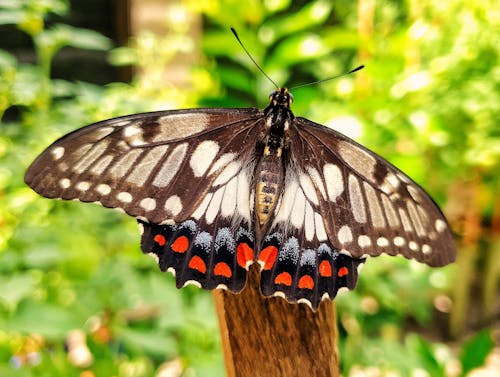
x,y
270,337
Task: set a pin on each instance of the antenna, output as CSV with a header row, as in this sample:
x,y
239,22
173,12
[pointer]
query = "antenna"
x,y
252,59
330,78
298,86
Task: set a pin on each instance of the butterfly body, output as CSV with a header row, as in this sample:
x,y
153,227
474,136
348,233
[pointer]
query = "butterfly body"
x,y
217,190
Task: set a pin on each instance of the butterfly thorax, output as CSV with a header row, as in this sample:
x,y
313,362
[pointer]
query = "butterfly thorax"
x,y
270,170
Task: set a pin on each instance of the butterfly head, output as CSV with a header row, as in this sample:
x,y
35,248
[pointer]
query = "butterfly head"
x,y
281,98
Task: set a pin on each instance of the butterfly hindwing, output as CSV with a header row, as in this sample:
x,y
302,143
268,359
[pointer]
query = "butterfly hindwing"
x,y
217,259
304,273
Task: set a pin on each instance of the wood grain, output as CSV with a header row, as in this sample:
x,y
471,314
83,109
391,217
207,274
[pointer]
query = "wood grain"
x,y
270,337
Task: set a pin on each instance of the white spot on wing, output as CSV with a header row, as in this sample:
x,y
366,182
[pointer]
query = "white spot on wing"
x,y
364,241
99,167
309,222
179,125
202,157
82,186
320,227
244,202
57,153
146,165
344,234
399,241
200,211
148,204
405,220
64,183
362,162
316,178
356,199
413,245
298,211
377,216
392,180
223,160
287,201
390,213
103,189
124,197
192,282
133,135
123,165
414,193
415,218
334,181
131,131
228,205
382,242
154,256
440,225
229,172
307,186
170,167
92,155
214,206
101,132
173,205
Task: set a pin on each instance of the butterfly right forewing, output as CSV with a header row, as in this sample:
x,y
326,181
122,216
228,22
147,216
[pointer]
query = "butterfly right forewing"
x,y
369,206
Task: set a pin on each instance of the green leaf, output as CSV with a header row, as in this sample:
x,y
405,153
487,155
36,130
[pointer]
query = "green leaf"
x,y
313,13
8,17
475,351
16,287
297,49
148,341
43,318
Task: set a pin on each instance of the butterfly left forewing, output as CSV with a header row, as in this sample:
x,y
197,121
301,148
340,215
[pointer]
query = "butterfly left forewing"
x,y
184,174
156,166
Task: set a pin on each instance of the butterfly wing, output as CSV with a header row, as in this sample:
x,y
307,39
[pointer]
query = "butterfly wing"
x,y
342,203
369,206
184,174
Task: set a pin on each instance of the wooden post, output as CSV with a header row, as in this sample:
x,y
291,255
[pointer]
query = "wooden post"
x,y
270,337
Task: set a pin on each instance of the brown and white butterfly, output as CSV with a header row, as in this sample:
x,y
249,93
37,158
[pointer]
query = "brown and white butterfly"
x,y
216,190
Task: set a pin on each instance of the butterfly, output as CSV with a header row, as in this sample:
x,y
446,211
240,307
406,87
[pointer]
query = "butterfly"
x,y
217,190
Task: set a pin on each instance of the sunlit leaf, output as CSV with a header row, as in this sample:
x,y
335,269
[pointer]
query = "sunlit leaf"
x,y
475,351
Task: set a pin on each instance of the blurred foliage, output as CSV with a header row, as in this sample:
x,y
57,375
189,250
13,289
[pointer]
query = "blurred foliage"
x,y
428,101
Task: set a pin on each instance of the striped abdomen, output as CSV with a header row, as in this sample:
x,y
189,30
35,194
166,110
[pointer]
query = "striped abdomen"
x,y
270,177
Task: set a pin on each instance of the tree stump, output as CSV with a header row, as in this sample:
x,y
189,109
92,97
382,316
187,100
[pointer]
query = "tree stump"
x,y
270,337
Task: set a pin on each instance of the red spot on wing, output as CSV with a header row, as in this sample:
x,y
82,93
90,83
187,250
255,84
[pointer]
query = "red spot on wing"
x,y
222,269
196,263
343,271
268,256
180,245
284,278
160,239
325,269
244,254
306,282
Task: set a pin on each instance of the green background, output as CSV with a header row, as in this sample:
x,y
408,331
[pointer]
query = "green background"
x,y
428,101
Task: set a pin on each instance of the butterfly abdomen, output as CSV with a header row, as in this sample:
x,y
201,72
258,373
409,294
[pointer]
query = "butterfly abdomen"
x,y
270,178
